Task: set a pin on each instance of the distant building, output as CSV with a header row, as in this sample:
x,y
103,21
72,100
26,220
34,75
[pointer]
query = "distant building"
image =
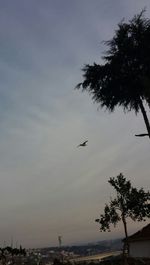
x,y
139,243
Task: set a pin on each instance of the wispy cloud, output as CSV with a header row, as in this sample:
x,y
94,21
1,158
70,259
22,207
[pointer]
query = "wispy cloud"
x,y
48,186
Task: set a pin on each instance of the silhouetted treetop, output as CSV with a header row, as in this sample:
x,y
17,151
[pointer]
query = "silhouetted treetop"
x,y
124,77
129,202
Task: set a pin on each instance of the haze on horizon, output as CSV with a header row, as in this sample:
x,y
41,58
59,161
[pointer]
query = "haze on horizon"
x,y
49,187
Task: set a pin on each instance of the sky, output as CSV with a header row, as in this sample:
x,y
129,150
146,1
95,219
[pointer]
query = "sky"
x,y
49,187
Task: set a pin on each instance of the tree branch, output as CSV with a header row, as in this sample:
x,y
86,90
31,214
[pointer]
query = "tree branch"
x,y
142,135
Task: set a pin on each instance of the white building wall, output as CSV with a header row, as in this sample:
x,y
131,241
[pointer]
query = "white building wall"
x,y
140,249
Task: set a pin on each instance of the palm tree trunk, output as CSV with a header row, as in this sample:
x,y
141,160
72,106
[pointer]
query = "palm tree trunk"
x,y
145,116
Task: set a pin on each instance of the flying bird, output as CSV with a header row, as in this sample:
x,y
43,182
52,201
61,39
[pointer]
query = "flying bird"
x,y
83,144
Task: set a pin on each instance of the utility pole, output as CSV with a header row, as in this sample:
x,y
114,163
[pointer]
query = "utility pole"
x,y
60,241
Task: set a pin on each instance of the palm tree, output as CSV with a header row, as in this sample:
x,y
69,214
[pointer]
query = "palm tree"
x,y
124,78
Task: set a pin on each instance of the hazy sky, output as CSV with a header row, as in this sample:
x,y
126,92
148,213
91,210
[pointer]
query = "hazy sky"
x,y
49,187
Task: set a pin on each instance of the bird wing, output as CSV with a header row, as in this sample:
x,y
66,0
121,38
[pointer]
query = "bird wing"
x,y
85,142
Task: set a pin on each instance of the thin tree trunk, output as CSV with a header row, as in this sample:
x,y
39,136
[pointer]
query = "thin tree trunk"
x,y
145,117
126,244
126,233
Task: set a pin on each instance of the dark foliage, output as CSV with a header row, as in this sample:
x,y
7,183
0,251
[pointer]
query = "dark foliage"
x,y
12,251
129,202
124,77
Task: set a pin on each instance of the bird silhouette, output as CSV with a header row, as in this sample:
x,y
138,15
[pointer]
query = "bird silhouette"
x,y
83,144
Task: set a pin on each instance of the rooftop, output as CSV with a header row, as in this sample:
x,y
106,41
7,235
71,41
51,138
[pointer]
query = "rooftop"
x,y
143,234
